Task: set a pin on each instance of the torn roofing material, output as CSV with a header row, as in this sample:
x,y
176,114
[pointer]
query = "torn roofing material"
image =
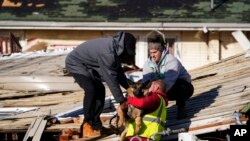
x,y
40,83
211,108
216,96
8,112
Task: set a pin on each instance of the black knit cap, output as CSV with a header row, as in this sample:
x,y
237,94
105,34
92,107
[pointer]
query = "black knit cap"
x,y
129,43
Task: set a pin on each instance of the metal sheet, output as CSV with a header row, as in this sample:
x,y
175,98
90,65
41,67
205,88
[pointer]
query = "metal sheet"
x,y
45,83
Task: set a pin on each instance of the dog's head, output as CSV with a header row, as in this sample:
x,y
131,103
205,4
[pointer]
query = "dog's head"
x,y
138,89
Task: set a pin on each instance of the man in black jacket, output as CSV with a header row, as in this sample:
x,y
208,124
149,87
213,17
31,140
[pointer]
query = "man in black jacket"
x,y
95,61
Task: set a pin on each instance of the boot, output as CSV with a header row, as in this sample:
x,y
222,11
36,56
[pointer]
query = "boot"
x,y
89,132
107,131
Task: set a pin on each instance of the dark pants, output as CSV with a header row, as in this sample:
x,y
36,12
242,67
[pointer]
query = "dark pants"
x,y
181,92
94,99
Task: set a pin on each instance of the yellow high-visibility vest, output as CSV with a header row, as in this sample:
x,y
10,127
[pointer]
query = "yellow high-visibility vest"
x,y
151,123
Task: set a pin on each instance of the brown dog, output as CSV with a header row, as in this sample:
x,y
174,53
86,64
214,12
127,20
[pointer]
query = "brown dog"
x,y
136,89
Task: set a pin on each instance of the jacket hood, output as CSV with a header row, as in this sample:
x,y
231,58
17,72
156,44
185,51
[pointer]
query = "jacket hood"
x,y
124,42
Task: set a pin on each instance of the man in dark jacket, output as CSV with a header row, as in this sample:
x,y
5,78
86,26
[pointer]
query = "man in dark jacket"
x,y
95,61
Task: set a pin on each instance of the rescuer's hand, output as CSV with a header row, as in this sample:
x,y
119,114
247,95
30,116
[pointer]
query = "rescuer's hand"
x,y
157,85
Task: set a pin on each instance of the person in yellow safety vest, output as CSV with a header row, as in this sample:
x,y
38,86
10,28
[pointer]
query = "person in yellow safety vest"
x,y
155,119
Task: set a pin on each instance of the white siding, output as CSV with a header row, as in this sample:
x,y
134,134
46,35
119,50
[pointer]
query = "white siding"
x,y
141,52
229,46
194,52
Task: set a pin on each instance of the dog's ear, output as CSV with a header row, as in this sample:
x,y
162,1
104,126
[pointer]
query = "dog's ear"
x,y
146,84
130,82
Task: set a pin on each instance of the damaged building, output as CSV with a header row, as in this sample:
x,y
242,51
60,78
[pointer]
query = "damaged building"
x,y
210,38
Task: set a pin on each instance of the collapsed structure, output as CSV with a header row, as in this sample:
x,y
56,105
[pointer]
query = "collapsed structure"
x,y
221,91
201,34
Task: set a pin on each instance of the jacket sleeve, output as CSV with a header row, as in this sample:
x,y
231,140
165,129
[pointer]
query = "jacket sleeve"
x,y
109,66
171,72
122,78
147,72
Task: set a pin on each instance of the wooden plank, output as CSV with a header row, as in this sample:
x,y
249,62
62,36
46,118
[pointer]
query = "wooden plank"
x,y
44,100
32,129
26,94
39,131
220,64
201,116
240,84
199,124
219,80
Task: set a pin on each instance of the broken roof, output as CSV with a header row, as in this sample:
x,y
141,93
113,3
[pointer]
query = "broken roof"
x,y
221,88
